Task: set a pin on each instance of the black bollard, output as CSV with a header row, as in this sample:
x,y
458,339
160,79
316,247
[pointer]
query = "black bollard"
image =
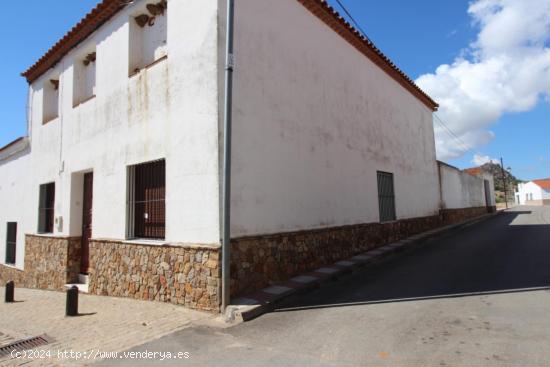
x,y
10,287
72,301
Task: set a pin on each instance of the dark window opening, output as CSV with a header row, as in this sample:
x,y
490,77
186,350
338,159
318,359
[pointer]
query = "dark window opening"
x,y
386,197
46,208
11,241
147,207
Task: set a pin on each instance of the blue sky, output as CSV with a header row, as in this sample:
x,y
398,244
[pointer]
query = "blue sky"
x,y
418,36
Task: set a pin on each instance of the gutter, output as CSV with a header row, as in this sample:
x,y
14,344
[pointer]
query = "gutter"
x,y
227,128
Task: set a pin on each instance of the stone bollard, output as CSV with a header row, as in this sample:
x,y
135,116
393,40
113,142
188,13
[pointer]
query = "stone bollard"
x,y
72,301
10,288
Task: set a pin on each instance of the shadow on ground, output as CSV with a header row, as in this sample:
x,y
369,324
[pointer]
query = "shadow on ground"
x,y
508,253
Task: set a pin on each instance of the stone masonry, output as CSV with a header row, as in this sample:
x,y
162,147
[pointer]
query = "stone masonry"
x,y
50,263
186,275
257,262
189,275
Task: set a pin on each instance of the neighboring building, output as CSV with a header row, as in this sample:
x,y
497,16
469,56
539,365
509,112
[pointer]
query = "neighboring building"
x,y
118,182
536,192
470,188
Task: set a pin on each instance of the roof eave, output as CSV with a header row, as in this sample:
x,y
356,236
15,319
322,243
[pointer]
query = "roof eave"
x,y
332,18
103,11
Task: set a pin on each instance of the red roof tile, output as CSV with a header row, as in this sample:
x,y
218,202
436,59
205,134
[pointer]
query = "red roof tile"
x,y
92,21
475,171
320,8
544,184
334,20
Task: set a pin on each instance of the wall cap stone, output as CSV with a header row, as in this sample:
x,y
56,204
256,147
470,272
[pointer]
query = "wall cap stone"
x,y
325,229
49,235
14,267
150,243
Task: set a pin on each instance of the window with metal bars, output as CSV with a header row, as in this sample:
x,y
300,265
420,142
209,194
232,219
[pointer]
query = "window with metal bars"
x,y
386,197
46,208
146,200
11,241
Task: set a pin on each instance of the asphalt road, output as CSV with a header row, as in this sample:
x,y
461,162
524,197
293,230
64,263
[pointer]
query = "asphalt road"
x,y
476,297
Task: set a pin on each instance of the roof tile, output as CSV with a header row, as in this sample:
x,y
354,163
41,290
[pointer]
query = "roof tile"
x,y
320,8
544,183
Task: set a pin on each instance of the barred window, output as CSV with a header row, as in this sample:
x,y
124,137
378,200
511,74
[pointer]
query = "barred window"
x,y
11,240
46,208
386,197
146,200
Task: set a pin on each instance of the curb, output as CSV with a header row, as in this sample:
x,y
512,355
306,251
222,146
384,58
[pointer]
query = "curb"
x,y
246,308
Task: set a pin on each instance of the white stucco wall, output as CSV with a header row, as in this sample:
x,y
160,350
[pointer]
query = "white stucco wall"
x,y
14,196
462,190
314,121
167,111
527,189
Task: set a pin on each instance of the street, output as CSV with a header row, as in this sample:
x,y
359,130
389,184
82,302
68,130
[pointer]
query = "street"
x,y
474,297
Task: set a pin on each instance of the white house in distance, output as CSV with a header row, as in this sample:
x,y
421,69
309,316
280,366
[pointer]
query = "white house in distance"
x,y
536,192
117,183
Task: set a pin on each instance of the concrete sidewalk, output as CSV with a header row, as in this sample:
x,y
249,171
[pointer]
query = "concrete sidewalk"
x,y
106,324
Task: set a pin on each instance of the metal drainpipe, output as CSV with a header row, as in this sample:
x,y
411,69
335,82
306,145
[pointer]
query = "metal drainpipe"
x,y
226,224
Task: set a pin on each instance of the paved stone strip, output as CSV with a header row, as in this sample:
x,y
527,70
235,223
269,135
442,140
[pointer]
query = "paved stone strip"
x,y
304,279
105,323
254,305
330,270
276,289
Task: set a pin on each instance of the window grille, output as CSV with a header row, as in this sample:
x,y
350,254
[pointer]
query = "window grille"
x,y
46,208
146,200
11,240
386,197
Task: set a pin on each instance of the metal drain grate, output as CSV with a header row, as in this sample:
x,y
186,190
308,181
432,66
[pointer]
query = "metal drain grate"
x,y
25,344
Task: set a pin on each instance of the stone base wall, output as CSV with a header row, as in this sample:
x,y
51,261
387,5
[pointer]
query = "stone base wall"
x,y
259,261
50,263
185,275
450,216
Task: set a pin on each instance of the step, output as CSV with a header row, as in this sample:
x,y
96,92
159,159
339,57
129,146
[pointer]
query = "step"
x,y
83,278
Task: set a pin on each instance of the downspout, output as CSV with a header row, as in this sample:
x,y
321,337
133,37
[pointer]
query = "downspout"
x,y
226,221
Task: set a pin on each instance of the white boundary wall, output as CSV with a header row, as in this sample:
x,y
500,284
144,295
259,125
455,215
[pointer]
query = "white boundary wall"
x,y
462,190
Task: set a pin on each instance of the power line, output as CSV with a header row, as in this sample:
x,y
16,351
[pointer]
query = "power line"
x,y
357,25
453,135
438,119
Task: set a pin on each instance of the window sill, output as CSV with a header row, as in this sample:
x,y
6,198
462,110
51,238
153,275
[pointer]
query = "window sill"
x,y
139,241
84,101
50,120
148,66
12,266
43,234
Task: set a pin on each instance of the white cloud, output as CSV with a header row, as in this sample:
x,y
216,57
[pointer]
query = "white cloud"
x,y
507,69
480,160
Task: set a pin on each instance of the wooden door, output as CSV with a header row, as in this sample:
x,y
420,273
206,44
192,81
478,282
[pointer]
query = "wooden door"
x,y
87,221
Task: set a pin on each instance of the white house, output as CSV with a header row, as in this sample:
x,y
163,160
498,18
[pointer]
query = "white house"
x,y
118,182
536,192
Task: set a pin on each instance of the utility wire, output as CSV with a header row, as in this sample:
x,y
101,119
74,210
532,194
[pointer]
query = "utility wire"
x,y
453,135
438,119
357,25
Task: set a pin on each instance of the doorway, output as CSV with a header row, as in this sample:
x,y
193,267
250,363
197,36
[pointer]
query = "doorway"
x,y
487,186
86,222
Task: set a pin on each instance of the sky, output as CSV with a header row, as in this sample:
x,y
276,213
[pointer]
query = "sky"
x,y
486,62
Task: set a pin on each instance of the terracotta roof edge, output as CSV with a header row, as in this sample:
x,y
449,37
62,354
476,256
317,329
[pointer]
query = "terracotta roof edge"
x,y
322,10
98,16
